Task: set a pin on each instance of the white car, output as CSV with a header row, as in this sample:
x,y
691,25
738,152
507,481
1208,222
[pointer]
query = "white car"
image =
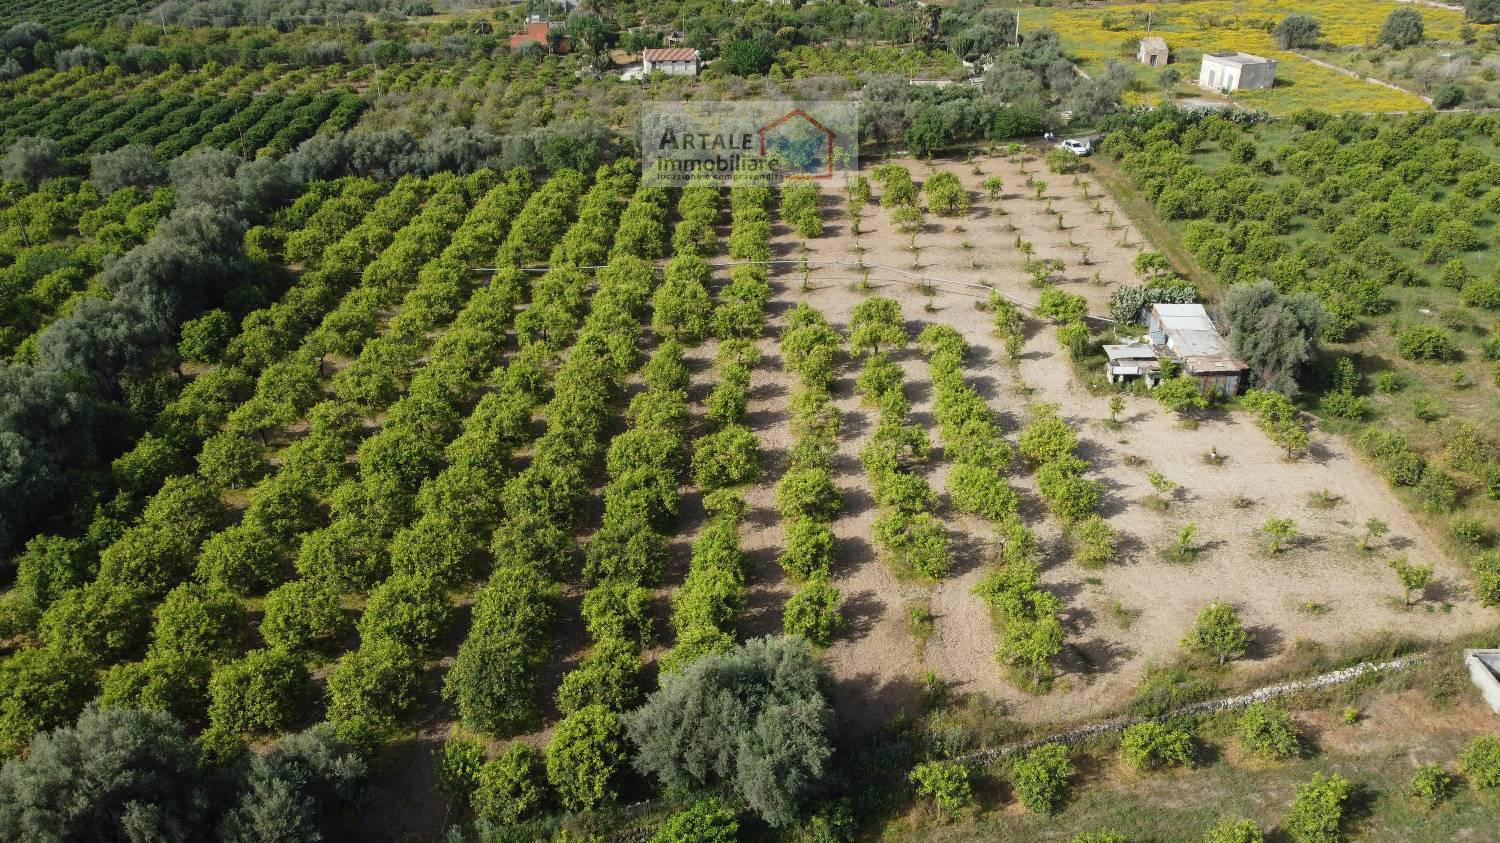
x,y
1077,146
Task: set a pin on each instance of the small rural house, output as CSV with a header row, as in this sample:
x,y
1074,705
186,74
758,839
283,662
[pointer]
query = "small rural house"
x,y
536,32
1153,51
1184,333
1131,361
1232,71
673,61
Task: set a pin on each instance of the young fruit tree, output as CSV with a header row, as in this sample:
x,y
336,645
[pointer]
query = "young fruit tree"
x,y
1218,632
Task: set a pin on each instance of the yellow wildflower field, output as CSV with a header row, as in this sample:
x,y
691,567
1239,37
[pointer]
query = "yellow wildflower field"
x,y
1198,26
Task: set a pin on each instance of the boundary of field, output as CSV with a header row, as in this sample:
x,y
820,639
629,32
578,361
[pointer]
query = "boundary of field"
x,y
1087,731
1079,734
906,277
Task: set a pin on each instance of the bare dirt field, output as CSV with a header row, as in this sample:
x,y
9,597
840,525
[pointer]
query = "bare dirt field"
x,y
1137,609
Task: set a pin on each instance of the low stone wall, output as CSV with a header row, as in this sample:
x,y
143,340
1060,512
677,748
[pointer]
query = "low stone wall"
x,y
1119,724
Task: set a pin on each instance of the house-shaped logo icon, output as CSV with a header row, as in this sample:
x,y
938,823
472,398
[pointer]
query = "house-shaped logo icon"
x,y
801,146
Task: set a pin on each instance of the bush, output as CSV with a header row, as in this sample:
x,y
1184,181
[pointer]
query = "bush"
x,y
813,612
1152,745
1269,731
707,821
946,783
1426,343
1430,785
1318,810
1041,778
1480,762
1235,831
1093,542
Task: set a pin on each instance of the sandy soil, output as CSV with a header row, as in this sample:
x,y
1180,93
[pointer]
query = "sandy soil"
x,y
877,663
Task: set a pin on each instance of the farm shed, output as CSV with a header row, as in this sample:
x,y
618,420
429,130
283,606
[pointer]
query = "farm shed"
x,y
1484,671
1186,334
1133,360
1231,71
1153,51
673,61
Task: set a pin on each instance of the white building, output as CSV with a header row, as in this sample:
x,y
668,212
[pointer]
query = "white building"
x,y
1231,71
673,61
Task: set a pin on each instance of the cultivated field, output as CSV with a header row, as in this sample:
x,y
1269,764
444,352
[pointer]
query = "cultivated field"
x,y
1136,610
1198,26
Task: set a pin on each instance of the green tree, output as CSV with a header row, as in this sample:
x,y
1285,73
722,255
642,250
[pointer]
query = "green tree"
x,y
1180,395
876,325
1297,30
746,58
261,694
1277,532
1093,542
509,788
1218,632
1318,811
198,620
1041,778
813,611
1482,11
41,689
1275,334
370,688
1402,28
584,756
1414,579
728,457
771,748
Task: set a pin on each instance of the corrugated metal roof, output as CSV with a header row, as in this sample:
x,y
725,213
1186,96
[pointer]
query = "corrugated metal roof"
x,y
1135,351
669,54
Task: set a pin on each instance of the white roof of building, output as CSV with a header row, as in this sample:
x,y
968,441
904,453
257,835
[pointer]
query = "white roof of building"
x,y
1193,338
1154,42
1232,57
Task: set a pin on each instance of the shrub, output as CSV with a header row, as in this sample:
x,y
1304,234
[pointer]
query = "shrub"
x,y
1269,731
1152,745
458,766
813,612
1235,831
707,821
809,549
1318,810
1093,542
1430,785
946,783
1041,778
1425,343
1480,762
